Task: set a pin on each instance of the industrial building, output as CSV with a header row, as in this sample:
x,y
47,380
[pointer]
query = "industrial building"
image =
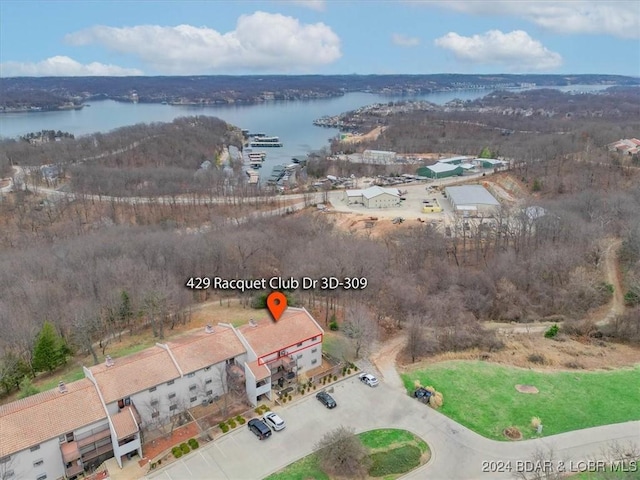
x,y
380,157
472,200
490,163
373,197
440,170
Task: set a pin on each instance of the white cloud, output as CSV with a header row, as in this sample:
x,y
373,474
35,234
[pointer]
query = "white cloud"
x,y
516,50
318,5
611,17
404,40
61,66
260,42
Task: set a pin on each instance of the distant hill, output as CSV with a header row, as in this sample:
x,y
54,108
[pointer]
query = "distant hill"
x,y
53,93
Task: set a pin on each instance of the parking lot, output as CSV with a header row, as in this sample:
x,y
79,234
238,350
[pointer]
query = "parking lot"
x,y
240,455
456,452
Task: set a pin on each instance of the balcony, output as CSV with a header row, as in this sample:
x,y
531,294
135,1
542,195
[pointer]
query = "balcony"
x,y
97,452
92,436
73,470
282,364
70,452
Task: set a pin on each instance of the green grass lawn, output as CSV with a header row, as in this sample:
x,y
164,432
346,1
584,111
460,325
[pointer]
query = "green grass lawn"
x,y
306,468
393,452
482,396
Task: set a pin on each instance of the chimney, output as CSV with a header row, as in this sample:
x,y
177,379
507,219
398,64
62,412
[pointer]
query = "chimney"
x,y
109,361
62,388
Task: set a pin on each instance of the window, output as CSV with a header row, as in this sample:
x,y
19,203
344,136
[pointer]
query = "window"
x,y
62,438
208,381
41,477
39,462
314,361
209,392
193,399
155,414
173,407
191,375
70,437
314,339
155,402
35,447
192,387
299,356
152,389
172,395
206,369
314,350
170,382
300,344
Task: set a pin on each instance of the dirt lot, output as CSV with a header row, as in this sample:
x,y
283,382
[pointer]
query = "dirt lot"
x,y
557,354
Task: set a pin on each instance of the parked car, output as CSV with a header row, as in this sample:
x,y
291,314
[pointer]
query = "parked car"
x,y
326,399
368,379
274,421
422,394
259,428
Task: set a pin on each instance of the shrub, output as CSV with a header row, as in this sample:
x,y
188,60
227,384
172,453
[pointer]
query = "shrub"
x,y
232,423
284,399
238,417
290,397
222,424
314,387
536,358
436,400
193,443
537,185
258,410
335,378
153,465
631,298
185,448
241,421
552,331
333,326
177,452
535,423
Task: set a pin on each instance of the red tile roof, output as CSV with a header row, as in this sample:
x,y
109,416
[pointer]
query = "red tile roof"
x,y
124,423
134,373
196,351
33,420
259,371
294,326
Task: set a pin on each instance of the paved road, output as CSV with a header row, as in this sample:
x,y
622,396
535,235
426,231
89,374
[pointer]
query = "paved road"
x,y
457,453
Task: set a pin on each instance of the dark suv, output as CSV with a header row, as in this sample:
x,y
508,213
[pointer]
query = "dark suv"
x,y
326,399
422,394
259,428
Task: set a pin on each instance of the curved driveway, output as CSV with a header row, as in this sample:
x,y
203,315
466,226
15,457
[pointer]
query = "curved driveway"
x,y
457,453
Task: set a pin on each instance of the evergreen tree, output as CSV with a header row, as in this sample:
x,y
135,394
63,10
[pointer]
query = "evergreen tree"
x,y
49,351
27,388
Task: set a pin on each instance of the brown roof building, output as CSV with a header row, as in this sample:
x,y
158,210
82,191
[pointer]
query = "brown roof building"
x,y
48,415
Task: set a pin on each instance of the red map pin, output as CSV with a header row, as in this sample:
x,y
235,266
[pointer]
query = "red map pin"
x,y
277,304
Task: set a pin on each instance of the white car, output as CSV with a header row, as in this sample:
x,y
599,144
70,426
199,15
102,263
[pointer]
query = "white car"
x,y
274,421
368,379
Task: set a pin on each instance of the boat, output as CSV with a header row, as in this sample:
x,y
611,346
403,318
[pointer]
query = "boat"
x,y
264,141
261,143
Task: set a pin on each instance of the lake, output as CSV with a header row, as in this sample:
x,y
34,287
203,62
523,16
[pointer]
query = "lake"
x,y
289,120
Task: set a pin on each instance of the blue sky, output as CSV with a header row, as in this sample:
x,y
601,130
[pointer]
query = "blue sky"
x,y
318,36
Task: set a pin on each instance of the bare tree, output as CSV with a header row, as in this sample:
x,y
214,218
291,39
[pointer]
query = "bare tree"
x,y
341,453
360,327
